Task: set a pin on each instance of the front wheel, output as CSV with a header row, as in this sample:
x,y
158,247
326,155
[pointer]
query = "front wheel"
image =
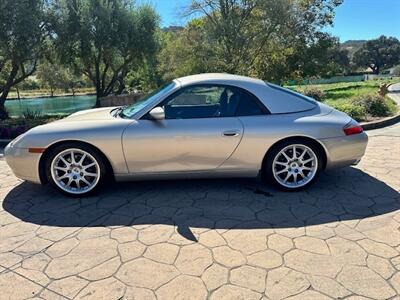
x,y
293,165
75,170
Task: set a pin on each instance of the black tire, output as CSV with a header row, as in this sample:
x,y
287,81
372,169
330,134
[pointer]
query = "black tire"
x,y
267,171
92,151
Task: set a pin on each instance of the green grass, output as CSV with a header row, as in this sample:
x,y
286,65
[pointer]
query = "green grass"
x,y
341,95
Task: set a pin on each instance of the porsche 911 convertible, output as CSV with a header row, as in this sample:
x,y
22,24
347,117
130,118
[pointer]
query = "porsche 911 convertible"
x,y
207,125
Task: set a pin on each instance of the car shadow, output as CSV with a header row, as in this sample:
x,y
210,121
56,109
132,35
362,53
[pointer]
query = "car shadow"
x,y
346,194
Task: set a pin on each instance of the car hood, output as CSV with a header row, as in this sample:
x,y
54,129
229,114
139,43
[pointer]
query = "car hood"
x,y
103,113
91,125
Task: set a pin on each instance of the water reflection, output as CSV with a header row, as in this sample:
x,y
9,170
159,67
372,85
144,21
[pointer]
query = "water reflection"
x,y
54,105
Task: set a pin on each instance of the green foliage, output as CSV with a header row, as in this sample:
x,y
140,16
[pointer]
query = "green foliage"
x,y
4,114
378,54
396,71
186,52
50,75
357,112
53,75
360,100
31,114
13,127
268,39
22,30
374,105
314,93
29,84
104,39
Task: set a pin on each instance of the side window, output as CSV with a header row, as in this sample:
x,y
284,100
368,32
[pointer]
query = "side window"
x,y
248,105
202,101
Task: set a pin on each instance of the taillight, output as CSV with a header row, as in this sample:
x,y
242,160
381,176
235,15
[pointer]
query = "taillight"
x,y
353,129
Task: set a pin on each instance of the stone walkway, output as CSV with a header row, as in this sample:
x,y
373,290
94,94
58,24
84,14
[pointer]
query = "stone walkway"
x,y
218,239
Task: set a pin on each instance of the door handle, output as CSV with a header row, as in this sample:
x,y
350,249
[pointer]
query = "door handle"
x,y
233,132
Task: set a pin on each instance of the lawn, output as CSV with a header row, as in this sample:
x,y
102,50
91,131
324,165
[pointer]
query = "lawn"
x,y
343,95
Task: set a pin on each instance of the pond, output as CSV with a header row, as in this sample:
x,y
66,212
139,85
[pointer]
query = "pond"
x,y
53,105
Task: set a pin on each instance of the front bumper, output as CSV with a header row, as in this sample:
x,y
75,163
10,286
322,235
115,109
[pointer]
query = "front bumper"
x,y
25,165
346,150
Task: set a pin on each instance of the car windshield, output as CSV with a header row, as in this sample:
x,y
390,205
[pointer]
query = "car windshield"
x,y
130,110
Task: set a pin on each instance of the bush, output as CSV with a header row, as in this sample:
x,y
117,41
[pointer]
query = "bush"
x,y
29,84
314,93
4,114
13,127
374,105
357,112
32,114
396,71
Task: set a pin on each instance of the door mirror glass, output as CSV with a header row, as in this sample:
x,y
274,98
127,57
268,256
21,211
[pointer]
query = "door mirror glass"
x,y
157,113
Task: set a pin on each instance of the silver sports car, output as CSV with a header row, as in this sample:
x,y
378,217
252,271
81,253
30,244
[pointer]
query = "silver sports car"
x,y
207,125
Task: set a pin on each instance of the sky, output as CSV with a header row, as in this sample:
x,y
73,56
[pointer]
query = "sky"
x,y
354,20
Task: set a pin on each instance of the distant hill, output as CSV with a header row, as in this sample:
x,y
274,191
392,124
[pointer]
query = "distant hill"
x,y
173,28
353,43
352,46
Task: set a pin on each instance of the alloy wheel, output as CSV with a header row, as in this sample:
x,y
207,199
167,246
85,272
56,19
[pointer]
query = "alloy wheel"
x,y
295,166
75,171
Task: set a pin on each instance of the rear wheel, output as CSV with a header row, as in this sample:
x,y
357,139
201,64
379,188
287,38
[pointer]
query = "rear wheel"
x,y
293,165
75,170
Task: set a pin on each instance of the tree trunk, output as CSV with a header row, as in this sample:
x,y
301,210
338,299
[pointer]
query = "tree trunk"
x,y
99,94
3,98
6,90
97,101
3,112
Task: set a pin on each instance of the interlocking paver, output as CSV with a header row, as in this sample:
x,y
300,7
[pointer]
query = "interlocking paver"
x,y
218,239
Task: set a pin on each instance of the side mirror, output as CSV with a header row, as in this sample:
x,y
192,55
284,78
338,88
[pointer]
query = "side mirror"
x,y
157,113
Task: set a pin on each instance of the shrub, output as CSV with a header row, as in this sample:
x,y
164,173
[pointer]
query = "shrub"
x,y
374,105
13,127
396,71
29,84
357,112
4,114
32,114
315,93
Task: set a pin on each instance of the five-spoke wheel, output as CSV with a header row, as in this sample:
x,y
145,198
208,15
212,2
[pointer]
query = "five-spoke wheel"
x,y
293,165
75,169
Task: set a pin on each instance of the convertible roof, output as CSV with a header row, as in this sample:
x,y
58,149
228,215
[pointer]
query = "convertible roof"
x,y
218,77
275,98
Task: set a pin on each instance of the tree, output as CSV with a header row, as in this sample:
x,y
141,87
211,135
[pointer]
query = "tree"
x,y
378,54
396,70
322,57
186,51
22,31
242,31
104,39
53,74
50,75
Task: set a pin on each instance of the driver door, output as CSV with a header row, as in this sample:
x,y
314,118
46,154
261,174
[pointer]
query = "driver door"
x,y
199,132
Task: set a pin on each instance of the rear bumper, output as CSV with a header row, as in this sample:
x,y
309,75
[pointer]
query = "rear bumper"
x,y
345,151
24,165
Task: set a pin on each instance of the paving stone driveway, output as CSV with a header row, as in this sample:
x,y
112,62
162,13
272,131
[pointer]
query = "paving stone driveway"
x,y
223,239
